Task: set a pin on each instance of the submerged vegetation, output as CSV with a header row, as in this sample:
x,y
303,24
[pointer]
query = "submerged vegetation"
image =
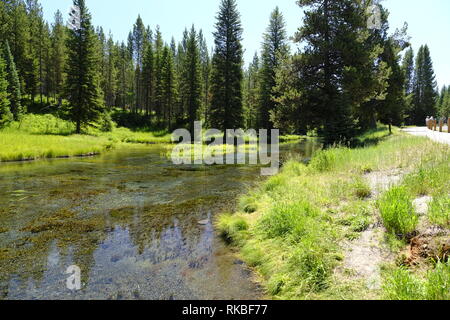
x,y
290,228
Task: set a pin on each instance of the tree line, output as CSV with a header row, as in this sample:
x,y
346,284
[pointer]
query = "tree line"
x,y
343,78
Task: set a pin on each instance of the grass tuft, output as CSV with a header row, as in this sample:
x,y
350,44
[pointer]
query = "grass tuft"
x,y
397,211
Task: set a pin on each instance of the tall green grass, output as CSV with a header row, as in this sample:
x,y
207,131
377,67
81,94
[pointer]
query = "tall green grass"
x,y
402,284
46,136
397,211
295,221
439,210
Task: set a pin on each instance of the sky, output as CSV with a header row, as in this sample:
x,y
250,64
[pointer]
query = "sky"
x,y
429,21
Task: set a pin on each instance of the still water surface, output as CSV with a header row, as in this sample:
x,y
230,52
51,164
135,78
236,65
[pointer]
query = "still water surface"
x,y
130,220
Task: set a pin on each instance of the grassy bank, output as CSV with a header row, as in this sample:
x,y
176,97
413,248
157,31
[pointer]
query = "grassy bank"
x,y
45,136
292,229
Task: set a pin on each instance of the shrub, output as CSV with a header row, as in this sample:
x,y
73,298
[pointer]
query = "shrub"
x,y
397,211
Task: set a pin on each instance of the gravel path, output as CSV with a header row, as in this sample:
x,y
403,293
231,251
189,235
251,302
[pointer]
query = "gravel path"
x,y
442,137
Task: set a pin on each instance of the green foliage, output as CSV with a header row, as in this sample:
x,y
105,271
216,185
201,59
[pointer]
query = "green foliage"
x,y
5,112
274,49
439,210
361,188
323,160
226,110
14,90
83,91
230,226
336,67
397,211
424,94
192,79
402,284
289,221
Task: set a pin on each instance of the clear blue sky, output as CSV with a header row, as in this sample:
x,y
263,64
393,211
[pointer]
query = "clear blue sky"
x,y
429,21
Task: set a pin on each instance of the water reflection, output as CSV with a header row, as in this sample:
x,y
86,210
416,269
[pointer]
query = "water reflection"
x,y
129,220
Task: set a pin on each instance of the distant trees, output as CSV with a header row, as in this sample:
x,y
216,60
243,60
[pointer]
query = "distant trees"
x,y
226,109
192,79
336,66
14,91
5,113
443,103
58,56
274,49
86,104
343,79
251,93
424,91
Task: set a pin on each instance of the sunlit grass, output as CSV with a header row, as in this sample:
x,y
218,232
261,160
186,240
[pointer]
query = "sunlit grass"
x,y
24,146
296,219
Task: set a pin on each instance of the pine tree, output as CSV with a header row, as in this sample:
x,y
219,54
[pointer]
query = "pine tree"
x,y
125,96
337,65
18,35
32,68
58,55
148,77
83,91
443,106
5,113
425,94
227,75
250,93
192,85
206,74
408,69
392,108
169,85
275,48
14,91
158,97
110,73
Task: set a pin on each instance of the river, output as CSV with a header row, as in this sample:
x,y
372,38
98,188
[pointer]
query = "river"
x,y
129,219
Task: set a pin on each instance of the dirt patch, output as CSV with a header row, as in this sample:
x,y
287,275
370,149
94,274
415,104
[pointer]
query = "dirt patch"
x,y
434,245
365,255
380,181
421,205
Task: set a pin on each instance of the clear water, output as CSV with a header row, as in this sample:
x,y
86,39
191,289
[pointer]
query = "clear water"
x,y
130,220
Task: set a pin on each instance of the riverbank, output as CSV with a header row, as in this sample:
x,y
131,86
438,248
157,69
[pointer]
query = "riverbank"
x,y
348,225
46,136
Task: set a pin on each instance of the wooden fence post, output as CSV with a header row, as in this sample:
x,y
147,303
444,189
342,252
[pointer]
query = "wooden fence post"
x,y
448,125
441,125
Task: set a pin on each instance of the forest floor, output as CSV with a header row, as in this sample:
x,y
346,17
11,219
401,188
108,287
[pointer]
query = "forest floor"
x,y
365,223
